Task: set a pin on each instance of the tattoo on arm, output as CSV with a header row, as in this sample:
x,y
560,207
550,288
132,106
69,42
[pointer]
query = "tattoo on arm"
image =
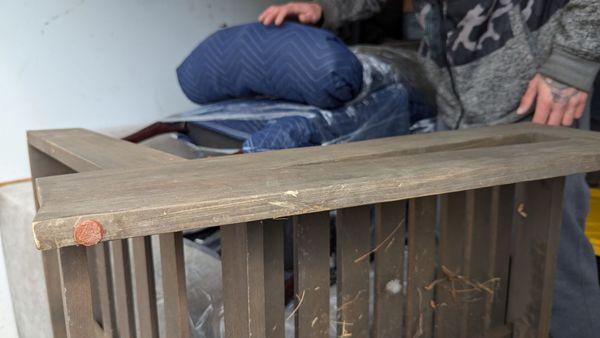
x,y
561,93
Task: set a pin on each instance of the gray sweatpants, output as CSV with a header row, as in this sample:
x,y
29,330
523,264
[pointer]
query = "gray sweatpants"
x,y
576,307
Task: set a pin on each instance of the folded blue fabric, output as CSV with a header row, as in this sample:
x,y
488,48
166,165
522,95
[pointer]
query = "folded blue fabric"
x,y
293,62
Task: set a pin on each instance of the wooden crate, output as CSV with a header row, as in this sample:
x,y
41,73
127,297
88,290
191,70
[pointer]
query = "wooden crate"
x,y
466,227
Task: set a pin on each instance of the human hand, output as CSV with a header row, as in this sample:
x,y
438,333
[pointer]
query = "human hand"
x,y
306,12
556,103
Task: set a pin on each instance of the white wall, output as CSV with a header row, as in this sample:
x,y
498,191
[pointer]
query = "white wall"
x,y
97,64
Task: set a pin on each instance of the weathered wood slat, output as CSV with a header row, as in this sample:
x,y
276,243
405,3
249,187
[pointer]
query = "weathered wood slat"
x,y
503,216
352,244
421,266
243,280
279,188
450,315
311,275
77,293
43,165
82,151
390,231
123,293
93,270
539,210
481,261
274,279
174,287
105,288
145,288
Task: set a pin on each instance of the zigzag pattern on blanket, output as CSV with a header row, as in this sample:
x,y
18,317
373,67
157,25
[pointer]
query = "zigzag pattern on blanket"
x,y
293,62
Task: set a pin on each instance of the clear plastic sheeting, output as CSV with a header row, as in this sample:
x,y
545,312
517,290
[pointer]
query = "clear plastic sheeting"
x,y
204,291
388,105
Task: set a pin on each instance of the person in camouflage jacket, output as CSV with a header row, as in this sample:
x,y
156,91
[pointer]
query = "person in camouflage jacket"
x,y
502,61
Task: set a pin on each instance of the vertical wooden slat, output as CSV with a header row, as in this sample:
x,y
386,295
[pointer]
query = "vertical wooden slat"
x,y
93,270
421,266
482,242
502,217
77,293
51,265
174,286
43,165
538,220
274,278
390,224
352,247
105,289
311,275
123,293
451,314
145,289
243,280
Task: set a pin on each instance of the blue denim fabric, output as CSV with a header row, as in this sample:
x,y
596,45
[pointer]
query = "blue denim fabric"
x,y
576,308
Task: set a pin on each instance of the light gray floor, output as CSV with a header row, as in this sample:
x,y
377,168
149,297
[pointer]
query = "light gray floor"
x,y
22,268
8,327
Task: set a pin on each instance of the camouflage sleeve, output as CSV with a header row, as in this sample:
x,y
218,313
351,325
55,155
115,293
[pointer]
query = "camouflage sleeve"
x,y
339,12
575,57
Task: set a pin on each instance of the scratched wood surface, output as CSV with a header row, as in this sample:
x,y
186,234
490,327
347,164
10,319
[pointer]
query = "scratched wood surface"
x,y
390,231
352,244
82,151
243,188
538,221
311,275
421,266
43,165
273,238
244,280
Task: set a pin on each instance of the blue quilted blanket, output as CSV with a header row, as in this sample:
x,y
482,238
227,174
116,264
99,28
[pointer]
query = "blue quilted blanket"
x,y
293,62
387,106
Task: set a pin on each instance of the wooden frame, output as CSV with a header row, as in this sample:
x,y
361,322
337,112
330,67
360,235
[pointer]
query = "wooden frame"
x,y
443,208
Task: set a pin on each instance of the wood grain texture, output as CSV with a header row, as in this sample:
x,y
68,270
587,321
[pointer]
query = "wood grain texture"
x,y
145,288
450,319
82,150
274,278
77,293
123,292
482,234
538,220
421,266
503,205
174,287
311,275
43,165
94,278
299,181
390,231
352,243
105,288
243,280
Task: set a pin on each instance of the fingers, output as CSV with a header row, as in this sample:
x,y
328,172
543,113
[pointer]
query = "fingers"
x,y
557,114
580,106
307,13
268,16
569,116
282,14
542,111
306,18
529,96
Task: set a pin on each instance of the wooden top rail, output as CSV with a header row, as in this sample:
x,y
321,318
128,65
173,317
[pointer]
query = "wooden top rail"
x,y
192,194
